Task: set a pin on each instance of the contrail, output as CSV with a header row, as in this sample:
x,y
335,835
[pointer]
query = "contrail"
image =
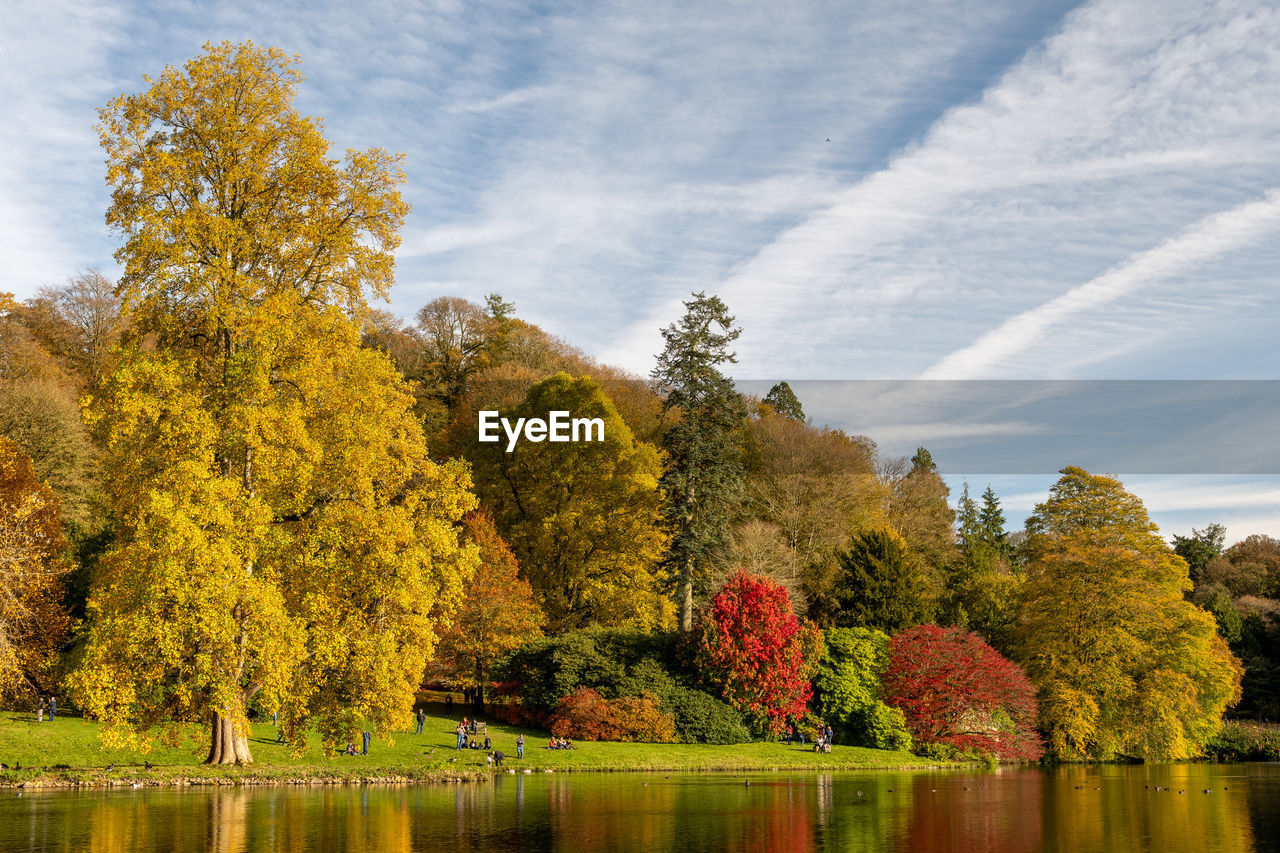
x,y
1208,238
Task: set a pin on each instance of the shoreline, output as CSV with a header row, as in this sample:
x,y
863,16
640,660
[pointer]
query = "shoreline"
x,y
199,776
269,776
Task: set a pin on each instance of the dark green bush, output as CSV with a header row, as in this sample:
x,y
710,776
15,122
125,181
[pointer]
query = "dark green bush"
x,y
619,665
701,718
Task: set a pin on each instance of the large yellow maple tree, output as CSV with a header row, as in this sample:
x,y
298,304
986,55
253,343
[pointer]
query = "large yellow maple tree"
x,y
283,536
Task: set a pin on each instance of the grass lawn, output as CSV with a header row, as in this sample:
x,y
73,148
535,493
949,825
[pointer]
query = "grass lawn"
x,y
67,750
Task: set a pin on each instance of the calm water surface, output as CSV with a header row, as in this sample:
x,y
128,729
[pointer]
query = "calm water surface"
x,y
1067,809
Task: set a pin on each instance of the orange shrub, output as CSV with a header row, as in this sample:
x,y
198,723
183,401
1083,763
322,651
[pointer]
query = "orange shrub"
x,y
586,715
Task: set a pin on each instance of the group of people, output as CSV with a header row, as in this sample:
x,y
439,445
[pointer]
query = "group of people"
x,y
49,705
560,743
826,737
462,730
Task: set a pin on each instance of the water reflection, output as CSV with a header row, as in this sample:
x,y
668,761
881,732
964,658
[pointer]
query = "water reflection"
x,y
1007,811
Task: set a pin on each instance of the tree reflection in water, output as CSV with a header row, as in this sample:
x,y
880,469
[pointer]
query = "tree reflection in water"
x,y
1015,810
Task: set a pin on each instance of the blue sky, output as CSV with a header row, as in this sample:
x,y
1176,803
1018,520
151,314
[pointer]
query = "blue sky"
x,y
1010,190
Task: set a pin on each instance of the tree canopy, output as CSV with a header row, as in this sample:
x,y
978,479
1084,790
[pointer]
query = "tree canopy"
x,y
956,690
879,585
283,536
495,613
33,561
583,517
754,649
1123,663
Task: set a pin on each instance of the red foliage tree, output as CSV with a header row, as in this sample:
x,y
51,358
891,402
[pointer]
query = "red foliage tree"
x,y
955,689
752,646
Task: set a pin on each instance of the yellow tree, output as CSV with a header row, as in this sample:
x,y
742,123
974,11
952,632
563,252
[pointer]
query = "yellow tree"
x,y
283,537
497,611
33,624
583,517
1124,664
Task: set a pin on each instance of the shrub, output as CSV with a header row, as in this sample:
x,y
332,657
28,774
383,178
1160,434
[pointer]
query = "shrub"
x,y
586,715
885,728
846,686
616,665
956,690
755,652
610,662
1242,741
701,718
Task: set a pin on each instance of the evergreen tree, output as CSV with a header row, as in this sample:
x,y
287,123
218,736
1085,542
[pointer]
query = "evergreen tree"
x,y
968,522
991,522
704,479
880,586
1200,548
784,401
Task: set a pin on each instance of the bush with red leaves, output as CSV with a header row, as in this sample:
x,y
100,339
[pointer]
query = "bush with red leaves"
x,y
753,648
958,691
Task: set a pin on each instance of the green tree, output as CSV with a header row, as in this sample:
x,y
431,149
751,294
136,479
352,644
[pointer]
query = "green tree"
x,y
1200,548
968,527
847,689
283,536
703,482
1124,665
583,517
880,586
784,401
982,586
991,522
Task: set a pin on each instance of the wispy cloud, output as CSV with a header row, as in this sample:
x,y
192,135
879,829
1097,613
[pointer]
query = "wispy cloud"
x,y
1204,241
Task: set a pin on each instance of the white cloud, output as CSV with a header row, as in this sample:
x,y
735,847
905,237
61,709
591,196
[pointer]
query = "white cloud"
x,y
1207,239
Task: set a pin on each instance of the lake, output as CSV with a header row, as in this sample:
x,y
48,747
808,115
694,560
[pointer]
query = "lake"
x,y
1110,808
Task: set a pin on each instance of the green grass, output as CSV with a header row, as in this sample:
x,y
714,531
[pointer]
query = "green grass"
x,y
67,751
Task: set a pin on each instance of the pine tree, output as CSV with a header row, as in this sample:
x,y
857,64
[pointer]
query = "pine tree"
x,y
704,478
991,522
784,401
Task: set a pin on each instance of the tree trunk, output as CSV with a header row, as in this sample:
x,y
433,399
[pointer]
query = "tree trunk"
x,y
229,744
686,595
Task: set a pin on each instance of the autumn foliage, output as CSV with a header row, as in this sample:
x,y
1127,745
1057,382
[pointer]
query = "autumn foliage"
x,y
956,690
496,612
33,624
752,646
586,715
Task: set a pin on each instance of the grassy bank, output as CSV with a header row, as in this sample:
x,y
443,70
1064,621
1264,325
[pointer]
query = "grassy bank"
x,y
67,751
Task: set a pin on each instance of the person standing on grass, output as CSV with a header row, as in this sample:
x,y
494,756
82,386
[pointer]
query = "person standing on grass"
x,y
422,720
365,749
40,711
520,747
53,707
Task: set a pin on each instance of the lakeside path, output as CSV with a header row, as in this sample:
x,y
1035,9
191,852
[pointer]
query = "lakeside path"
x,y
66,753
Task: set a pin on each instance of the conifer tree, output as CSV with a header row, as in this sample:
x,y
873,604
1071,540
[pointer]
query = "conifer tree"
x,y
704,477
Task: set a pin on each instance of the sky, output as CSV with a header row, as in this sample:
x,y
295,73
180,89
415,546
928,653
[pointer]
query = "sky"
x,y
945,189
